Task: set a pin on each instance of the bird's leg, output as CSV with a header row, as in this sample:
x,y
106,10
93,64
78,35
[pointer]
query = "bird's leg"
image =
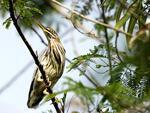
x,y
46,92
40,78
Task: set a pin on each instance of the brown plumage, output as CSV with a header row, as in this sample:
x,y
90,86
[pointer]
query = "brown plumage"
x,y
53,61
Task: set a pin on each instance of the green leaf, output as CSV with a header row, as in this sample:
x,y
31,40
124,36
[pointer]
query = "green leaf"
x,y
132,22
94,53
122,21
7,22
50,96
82,59
119,10
37,10
98,66
130,12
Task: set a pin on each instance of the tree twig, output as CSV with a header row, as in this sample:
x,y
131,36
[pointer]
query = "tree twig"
x,y
84,74
107,38
12,15
39,36
119,58
90,19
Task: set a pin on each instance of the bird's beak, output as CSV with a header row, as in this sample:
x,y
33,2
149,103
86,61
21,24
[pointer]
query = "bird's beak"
x,y
43,29
41,26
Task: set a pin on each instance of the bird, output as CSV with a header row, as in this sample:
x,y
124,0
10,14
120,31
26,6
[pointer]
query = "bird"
x,y
53,61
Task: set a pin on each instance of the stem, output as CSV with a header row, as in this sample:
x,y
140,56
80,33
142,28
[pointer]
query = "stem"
x,y
84,74
12,15
39,36
107,38
90,19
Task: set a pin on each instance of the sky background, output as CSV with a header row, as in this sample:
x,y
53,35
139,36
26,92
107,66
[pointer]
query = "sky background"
x,y
15,55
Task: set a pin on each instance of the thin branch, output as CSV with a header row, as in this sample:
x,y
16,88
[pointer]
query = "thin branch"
x,y
119,58
85,30
107,38
63,102
12,15
116,49
90,19
84,74
15,77
97,71
39,36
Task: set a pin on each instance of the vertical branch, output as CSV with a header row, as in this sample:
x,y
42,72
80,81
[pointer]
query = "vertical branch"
x,y
12,15
107,38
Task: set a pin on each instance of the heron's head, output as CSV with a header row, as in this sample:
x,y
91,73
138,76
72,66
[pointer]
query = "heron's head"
x,y
49,32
